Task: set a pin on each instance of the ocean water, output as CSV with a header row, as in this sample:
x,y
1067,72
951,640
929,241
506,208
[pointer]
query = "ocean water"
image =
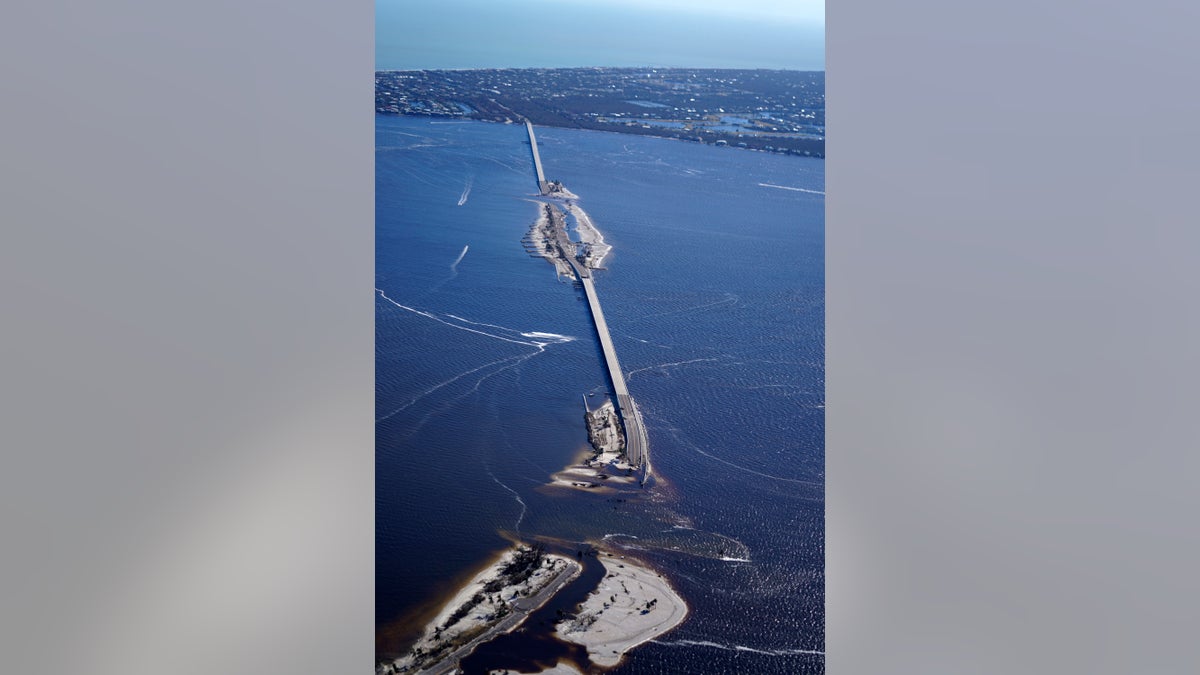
x,y
714,295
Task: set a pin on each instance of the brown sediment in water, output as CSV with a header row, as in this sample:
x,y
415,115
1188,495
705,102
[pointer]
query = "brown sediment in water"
x,y
492,602
397,637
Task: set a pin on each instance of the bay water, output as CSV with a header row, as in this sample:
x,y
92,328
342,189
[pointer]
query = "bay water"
x,y
714,294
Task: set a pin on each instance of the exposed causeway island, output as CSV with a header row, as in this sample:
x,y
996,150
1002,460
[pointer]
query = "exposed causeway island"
x,y
548,237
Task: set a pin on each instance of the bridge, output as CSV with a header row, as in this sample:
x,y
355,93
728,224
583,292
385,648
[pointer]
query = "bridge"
x,y
636,442
635,432
543,186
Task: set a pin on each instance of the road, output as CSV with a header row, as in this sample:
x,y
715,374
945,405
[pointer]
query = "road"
x,y
635,433
522,608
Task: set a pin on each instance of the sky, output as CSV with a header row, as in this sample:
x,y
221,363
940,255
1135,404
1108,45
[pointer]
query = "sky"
x,y
416,34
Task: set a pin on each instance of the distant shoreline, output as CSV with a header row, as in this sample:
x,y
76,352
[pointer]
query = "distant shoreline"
x,y
777,111
618,131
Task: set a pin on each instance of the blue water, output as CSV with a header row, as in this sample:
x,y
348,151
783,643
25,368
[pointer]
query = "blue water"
x,y
714,294
515,34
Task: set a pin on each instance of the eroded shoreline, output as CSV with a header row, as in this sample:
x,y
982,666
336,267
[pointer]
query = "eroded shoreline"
x,y
495,601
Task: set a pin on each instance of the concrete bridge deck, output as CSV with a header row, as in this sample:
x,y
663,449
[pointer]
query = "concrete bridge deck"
x,y
543,186
636,442
635,433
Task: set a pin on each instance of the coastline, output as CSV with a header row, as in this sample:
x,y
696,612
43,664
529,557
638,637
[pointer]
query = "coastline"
x,y
495,601
620,131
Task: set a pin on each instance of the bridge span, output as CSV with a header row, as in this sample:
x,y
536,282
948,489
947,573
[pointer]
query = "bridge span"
x,y
636,442
543,186
635,431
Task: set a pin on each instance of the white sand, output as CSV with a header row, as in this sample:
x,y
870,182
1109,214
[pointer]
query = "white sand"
x,y
562,193
589,235
616,617
597,472
558,669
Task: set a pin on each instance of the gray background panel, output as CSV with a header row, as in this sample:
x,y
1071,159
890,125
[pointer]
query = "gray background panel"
x,y
187,358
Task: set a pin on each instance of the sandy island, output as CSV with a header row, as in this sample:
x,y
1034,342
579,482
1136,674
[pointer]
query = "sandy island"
x,y
494,601
632,605
541,240
606,465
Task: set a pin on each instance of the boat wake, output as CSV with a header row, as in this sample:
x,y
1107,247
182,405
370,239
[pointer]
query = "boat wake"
x,y
454,265
683,441
629,375
462,199
538,340
516,362
729,298
531,339
553,336
517,496
793,189
740,648
440,385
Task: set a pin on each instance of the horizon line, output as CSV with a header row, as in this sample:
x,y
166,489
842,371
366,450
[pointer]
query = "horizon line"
x,y
798,70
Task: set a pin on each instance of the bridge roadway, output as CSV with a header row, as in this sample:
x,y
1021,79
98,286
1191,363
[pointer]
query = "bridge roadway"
x,y
635,432
543,186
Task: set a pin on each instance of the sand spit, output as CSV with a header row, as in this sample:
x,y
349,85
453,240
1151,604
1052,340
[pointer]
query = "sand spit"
x,y
633,604
592,248
606,466
494,601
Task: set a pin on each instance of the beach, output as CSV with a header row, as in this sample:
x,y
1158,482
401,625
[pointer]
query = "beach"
x,y
593,242
633,604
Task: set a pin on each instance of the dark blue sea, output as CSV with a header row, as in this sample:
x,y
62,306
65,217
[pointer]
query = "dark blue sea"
x,y
714,294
